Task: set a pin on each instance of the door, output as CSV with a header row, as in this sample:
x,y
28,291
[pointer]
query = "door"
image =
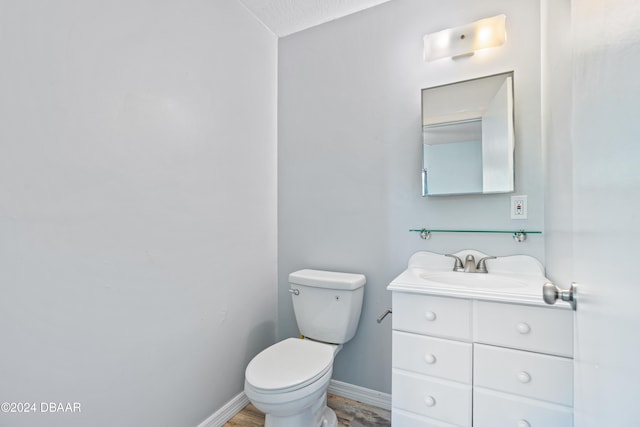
x,y
604,250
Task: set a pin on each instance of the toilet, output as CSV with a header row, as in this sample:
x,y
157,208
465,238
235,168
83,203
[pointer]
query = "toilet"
x,y
288,381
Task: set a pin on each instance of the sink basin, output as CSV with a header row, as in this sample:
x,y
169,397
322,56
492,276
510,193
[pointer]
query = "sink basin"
x,y
473,280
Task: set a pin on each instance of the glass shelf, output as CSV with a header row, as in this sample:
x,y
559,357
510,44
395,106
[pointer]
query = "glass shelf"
x,y
518,235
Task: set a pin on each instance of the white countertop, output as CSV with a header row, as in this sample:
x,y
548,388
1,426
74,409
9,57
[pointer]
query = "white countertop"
x,y
513,279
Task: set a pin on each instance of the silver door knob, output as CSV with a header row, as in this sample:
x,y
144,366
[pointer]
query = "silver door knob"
x,y
551,293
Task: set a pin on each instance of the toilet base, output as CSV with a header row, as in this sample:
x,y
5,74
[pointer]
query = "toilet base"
x,y
329,418
317,415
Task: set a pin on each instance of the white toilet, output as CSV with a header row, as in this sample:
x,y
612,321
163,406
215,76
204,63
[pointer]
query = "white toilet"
x,y
288,381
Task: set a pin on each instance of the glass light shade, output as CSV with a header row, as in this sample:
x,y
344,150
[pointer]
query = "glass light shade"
x,y
466,39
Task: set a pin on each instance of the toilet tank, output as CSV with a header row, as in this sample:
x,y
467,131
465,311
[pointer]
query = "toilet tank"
x,y
327,304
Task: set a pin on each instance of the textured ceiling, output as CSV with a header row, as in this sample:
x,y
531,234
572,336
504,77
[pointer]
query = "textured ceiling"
x,y
285,17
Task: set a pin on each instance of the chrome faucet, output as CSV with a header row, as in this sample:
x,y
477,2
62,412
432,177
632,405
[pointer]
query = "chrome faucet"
x,y
470,264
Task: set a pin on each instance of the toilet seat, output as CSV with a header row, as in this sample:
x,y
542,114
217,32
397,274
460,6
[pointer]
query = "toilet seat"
x,y
289,365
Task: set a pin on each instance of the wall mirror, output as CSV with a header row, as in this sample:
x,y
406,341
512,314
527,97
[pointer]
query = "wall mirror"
x,y
468,137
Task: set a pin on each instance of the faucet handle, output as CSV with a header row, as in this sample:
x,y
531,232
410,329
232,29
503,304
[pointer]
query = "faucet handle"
x,y
482,265
458,264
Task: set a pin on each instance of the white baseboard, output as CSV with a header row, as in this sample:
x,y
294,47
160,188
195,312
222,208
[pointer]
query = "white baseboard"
x,y
360,394
228,411
350,391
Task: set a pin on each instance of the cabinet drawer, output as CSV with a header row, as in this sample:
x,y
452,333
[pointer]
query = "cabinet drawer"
x,y
545,330
425,314
538,376
437,357
407,419
497,409
433,398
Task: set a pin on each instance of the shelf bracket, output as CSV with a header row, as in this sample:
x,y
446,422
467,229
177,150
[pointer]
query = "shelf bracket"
x,y
518,235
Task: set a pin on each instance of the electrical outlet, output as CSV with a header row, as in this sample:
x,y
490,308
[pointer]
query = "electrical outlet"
x,y
518,207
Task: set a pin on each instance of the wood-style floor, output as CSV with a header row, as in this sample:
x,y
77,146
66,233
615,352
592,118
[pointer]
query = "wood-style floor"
x,y
350,414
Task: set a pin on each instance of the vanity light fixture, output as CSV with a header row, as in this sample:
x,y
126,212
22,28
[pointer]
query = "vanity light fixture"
x,y
465,39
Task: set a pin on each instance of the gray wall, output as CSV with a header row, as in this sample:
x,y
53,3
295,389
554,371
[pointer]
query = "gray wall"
x,y
137,252
349,155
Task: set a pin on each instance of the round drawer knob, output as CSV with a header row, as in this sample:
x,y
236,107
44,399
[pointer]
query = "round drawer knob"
x,y
523,423
524,377
430,315
430,358
430,401
523,328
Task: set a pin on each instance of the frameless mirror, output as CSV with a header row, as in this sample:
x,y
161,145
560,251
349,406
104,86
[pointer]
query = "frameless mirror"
x,y
468,137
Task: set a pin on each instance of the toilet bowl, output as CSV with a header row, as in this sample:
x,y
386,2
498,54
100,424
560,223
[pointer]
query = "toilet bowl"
x,y
288,381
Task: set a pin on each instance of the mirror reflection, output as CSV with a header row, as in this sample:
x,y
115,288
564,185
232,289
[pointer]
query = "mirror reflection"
x,y
468,137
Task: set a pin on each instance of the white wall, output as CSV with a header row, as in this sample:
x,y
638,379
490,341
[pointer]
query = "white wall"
x,y
556,124
350,155
137,207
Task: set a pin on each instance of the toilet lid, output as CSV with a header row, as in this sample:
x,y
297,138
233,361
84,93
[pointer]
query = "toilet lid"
x,y
290,364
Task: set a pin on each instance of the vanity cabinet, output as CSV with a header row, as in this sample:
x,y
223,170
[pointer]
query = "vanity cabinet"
x,y
471,362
